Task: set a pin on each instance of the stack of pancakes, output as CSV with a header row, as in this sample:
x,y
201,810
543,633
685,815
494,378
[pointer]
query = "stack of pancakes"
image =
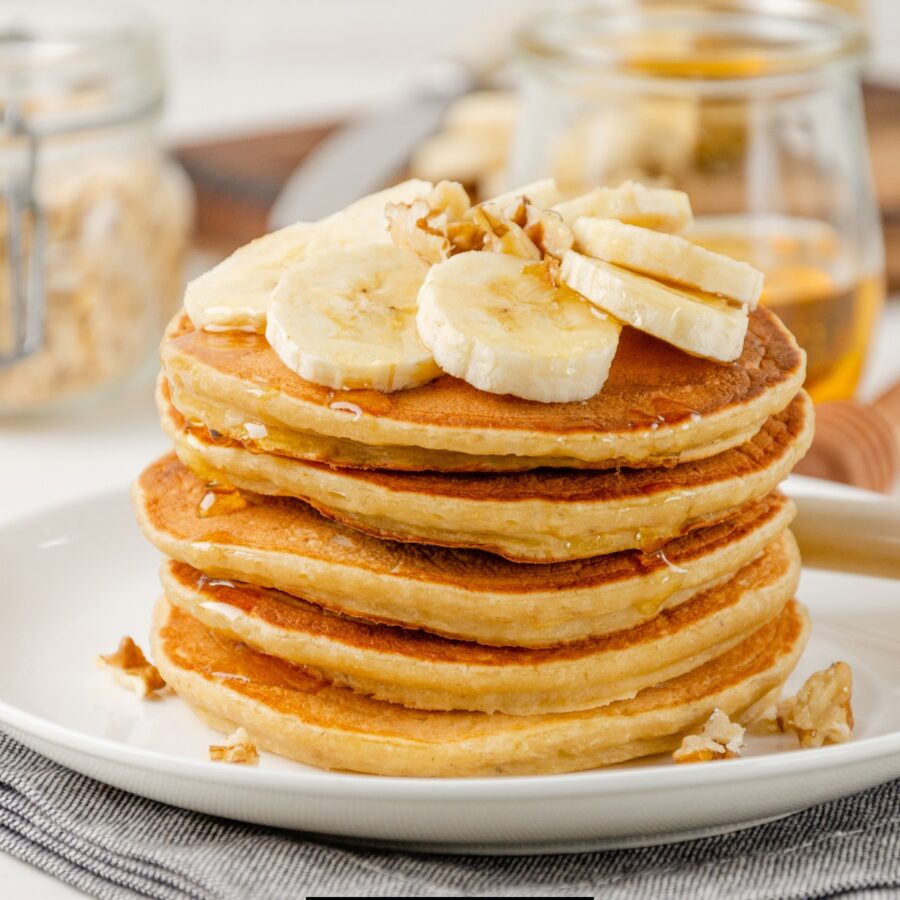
x,y
441,581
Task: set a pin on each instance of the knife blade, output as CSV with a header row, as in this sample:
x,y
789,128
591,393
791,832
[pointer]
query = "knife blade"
x,y
365,155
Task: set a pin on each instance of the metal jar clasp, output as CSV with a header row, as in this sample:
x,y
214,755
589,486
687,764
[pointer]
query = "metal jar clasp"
x,y
24,241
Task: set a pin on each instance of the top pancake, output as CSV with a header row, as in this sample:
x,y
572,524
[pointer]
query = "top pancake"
x,y
659,406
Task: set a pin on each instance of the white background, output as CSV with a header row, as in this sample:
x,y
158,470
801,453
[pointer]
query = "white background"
x,y
244,64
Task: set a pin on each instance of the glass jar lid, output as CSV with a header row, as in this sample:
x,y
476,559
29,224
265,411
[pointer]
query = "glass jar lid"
x,y
67,66
707,47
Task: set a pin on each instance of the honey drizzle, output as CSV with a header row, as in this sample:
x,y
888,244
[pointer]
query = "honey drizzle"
x,y
219,500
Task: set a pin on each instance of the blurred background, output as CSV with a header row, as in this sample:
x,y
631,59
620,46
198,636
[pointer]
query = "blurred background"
x,y
236,66
144,141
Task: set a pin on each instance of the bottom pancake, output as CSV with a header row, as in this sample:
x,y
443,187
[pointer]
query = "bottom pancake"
x,y
421,670
290,711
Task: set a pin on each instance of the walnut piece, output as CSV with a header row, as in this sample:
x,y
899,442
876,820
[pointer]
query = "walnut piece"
x,y
465,236
450,198
131,669
503,234
820,712
425,226
547,230
415,227
720,739
445,223
238,748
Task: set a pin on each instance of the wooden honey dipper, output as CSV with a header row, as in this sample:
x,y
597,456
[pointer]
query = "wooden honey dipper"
x,y
857,443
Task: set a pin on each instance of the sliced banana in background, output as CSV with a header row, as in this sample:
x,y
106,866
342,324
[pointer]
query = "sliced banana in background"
x,y
658,208
706,326
345,318
494,112
234,295
458,156
670,258
499,323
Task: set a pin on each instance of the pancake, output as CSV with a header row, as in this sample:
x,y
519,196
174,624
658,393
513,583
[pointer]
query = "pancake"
x,y
271,437
424,671
659,406
539,516
291,711
285,544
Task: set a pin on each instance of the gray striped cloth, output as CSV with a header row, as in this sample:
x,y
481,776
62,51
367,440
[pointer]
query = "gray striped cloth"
x,y
112,844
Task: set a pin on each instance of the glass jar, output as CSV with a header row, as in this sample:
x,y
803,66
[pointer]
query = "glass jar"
x,y
754,108
94,219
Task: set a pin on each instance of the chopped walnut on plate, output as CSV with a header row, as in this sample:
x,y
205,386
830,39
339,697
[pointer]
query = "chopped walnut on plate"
x,y
132,669
720,739
238,748
820,712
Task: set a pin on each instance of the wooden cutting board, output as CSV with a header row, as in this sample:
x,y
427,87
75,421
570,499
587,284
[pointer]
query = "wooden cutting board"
x,y
237,180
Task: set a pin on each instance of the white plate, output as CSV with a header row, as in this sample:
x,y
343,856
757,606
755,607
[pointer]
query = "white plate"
x,y
76,578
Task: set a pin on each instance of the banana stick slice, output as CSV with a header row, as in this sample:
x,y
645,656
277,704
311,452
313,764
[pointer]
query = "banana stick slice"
x,y
658,208
670,258
705,326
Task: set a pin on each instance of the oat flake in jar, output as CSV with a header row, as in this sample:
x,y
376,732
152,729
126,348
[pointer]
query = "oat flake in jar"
x,y
94,219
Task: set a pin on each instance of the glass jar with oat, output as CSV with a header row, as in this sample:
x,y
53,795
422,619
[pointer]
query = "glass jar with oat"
x,y
754,108
94,219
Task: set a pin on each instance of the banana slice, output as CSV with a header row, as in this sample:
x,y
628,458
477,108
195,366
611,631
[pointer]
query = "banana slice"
x,y
658,208
488,111
458,156
704,326
670,258
234,295
345,318
499,323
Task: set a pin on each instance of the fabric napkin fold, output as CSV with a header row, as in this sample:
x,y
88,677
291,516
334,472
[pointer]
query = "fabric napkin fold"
x,y
112,844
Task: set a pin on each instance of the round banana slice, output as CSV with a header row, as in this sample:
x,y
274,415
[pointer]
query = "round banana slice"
x,y
345,318
670,258
706,327
499,323
234,295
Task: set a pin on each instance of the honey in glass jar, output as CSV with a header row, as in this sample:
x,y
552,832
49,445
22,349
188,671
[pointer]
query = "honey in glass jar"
x,y
755,109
